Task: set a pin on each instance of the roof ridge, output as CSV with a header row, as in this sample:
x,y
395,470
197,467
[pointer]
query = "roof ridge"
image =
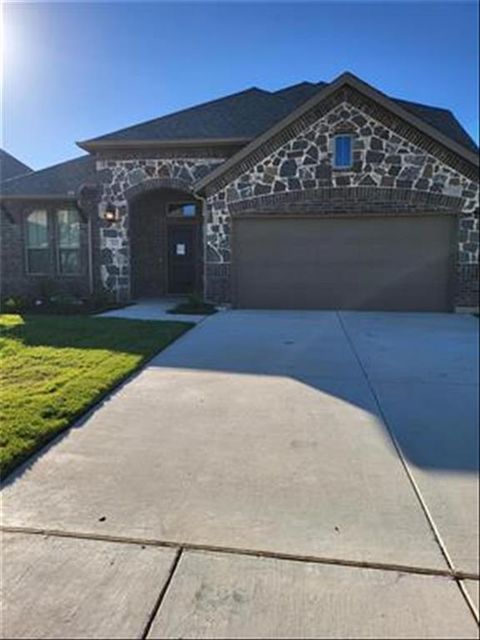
x,y
294,86
174,113
420,104
10,155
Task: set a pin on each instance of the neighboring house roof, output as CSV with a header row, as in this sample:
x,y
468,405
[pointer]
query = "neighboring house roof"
x,y
249,113
406,113
10,166
58,180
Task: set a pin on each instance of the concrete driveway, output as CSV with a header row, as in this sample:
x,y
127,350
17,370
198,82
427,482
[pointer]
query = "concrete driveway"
x,y
271,474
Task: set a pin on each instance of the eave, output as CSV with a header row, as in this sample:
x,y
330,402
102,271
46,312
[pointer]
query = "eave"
x,y
132,145
41,199
57,197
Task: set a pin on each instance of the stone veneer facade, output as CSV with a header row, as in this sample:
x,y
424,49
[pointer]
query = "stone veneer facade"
x,y
390,175
121,180
396,170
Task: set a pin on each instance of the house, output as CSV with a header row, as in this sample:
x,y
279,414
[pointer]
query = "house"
x,y
316,196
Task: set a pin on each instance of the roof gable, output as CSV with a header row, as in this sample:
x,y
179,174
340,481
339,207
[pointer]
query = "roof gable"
x,y
319,104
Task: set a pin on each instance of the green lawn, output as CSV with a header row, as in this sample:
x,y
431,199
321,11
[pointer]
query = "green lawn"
x,y
53,367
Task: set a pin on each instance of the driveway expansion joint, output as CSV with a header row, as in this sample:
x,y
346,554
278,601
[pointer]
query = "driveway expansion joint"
x,y
258,553
161,595
469,600
436,533
394,440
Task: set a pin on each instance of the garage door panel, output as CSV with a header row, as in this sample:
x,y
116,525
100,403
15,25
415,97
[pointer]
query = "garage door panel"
x,y
399,263
359,299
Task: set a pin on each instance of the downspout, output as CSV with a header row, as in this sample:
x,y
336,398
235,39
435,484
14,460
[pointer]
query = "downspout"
x,y
90,254
83,207
204,240
129,245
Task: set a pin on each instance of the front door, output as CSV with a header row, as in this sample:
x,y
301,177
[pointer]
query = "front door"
x,y
181,258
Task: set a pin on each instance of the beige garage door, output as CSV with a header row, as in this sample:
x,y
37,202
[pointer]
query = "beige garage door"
x,y
379,263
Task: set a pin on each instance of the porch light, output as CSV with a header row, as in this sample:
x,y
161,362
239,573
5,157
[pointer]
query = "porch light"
x,y
111,213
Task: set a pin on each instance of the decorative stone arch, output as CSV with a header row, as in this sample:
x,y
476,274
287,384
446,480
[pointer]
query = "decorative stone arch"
x,y
350,200
155,184
124,180
152,230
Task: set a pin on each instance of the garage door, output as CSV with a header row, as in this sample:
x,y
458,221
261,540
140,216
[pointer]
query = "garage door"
x,y
379,263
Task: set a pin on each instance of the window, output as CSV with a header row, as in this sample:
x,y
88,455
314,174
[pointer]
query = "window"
x,y
38,251
182,210
68,238
343,156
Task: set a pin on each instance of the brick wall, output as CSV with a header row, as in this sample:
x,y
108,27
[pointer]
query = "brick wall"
x,y
15,279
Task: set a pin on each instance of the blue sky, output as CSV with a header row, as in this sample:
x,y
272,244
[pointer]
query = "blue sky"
x,y
75,70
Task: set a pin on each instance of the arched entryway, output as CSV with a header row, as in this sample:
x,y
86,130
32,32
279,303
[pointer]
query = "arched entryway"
x,y
166,243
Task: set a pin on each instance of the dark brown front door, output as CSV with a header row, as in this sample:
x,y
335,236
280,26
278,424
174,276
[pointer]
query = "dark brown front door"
x,y
181,258
147,247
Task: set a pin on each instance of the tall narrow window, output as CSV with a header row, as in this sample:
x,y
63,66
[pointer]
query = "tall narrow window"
x,y
68,239
38,251
343,155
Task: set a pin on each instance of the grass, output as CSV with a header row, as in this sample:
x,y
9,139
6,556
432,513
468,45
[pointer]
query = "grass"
x,y
53,368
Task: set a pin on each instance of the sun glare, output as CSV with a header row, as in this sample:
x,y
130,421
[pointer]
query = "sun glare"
x,y
2,42
14,45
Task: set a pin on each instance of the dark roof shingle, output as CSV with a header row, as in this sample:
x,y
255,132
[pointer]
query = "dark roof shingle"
x,y
441,119
59,179
11,167
251,112
240,115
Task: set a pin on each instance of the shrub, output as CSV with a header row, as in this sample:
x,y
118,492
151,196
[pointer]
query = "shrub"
x,y
194,304
51,300
65,303
195,300
47,288
101,299
15,304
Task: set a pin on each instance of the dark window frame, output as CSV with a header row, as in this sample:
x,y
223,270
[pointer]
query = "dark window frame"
x,y
177,205
53,267
28,249
59,249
